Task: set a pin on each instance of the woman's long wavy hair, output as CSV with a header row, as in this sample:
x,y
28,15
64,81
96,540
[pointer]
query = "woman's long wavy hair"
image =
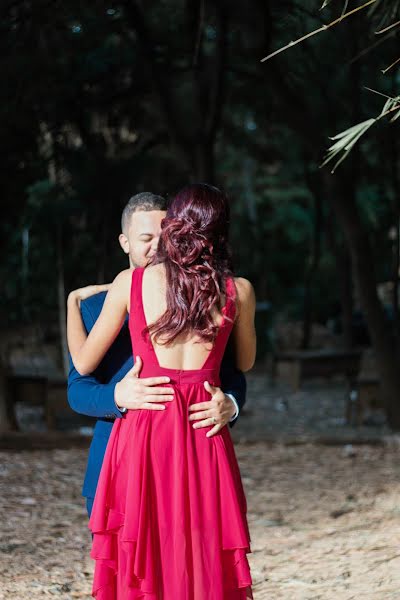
x,y
194,248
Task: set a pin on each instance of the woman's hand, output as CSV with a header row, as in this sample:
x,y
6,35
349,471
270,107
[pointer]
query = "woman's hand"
x,y
85,292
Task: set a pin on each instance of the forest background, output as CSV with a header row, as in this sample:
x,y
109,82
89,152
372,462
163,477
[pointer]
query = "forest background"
x,y
106,99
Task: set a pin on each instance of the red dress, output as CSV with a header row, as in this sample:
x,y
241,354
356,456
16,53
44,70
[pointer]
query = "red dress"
x,y
169,516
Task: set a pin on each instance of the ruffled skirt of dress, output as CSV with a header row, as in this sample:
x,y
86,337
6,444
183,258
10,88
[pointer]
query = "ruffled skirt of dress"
x,y
169,516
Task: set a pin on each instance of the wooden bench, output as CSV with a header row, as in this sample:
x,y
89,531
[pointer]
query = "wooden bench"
x,y
364,394
308,364
38,390
19,388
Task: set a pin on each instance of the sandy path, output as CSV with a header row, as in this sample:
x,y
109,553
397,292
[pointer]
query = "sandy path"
x,y
325,525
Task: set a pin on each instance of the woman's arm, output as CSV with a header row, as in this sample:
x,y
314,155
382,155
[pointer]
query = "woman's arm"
x,y
244,332
88,350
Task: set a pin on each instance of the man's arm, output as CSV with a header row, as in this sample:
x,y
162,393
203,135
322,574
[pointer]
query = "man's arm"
x,y
233,382
89,397
86,395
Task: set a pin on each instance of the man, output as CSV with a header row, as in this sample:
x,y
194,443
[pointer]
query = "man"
x,y
115,386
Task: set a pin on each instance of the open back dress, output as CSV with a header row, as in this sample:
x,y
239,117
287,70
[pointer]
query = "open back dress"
x,y
169,515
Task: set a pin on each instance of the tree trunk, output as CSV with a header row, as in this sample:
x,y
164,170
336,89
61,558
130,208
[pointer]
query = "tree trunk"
x,y
62,308
311,272
395,181
346,297
344,204
103,246
5,422
204,163
345,279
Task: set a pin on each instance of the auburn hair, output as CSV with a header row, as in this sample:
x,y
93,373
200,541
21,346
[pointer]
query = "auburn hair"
x,y
194,248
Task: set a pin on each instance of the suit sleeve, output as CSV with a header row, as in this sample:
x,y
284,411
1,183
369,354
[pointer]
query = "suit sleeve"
x,y
232,380
86,395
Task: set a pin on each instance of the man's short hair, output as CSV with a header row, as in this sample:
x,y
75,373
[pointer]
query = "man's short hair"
x,y
145,201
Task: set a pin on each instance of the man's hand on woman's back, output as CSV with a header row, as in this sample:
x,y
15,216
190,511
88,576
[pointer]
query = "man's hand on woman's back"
x,y
134,393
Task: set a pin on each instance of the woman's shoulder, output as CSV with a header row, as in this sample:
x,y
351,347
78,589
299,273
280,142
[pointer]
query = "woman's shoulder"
x,y
244,287
156,268
245,298
155,272
122,282
123,276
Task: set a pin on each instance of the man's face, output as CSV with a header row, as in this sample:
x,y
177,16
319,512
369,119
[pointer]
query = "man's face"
x,y
141,239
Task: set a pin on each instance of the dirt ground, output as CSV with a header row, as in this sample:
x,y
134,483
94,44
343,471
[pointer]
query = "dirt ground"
x,y
324,520
325,523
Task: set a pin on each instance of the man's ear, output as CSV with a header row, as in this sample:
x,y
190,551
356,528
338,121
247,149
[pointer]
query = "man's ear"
x,y
124,242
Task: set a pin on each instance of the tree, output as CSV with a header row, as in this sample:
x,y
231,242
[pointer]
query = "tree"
x,y
342,193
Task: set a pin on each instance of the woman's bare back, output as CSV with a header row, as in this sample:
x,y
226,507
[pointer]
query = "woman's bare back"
x,y
188,351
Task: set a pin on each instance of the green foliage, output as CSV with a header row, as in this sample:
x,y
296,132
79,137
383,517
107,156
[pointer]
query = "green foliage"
x,y
124,117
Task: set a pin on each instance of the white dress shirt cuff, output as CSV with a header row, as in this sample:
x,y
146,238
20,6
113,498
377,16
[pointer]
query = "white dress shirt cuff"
x,y
235,416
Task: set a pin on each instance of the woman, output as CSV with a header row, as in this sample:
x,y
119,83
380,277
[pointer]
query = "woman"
x,y
169,516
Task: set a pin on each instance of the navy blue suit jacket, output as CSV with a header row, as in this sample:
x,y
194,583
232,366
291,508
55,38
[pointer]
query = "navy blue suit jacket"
x,y
93,395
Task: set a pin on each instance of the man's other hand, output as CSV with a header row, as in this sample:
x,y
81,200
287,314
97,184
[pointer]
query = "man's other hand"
x,y
218,411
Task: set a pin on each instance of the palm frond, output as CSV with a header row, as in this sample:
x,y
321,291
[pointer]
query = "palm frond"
x,y
346,140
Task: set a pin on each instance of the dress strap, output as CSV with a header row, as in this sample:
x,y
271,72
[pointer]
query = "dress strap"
x,y
231,296
225,329
136,295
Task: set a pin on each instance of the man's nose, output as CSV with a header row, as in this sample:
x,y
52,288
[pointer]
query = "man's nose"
x,y
154,244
